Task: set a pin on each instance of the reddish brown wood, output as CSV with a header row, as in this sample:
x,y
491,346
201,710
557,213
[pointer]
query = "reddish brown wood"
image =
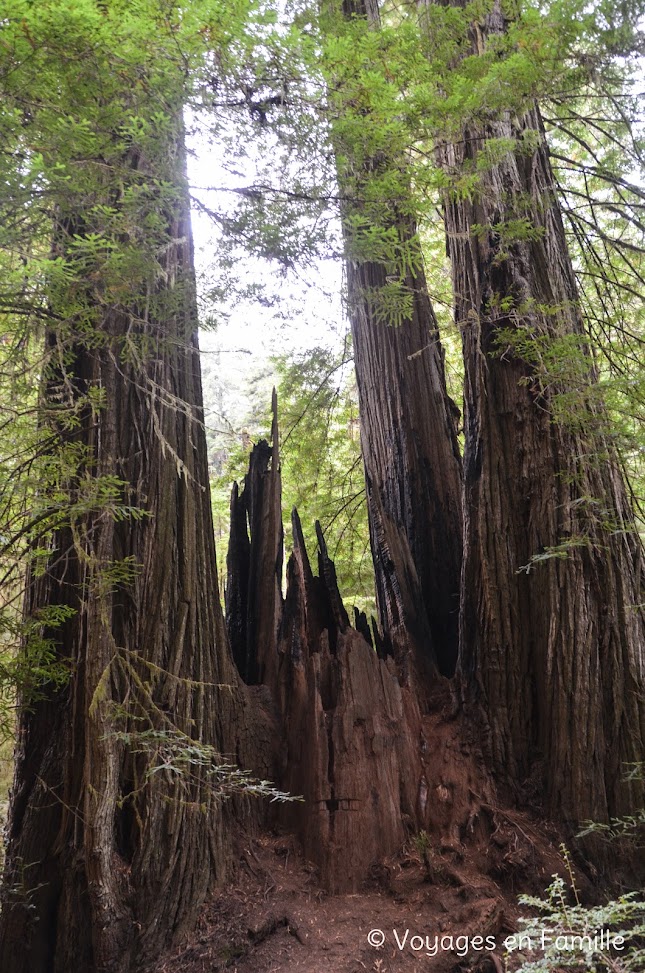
x,y
372,765
408,437
551,650
343,713
103,868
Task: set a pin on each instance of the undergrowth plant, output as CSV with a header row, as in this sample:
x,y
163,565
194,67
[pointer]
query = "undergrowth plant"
x,y
562,932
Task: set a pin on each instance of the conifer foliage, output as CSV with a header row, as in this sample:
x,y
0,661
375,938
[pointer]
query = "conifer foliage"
x,y
515,133
115,831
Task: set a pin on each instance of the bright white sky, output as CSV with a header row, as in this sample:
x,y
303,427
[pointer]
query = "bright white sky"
x,y
308,312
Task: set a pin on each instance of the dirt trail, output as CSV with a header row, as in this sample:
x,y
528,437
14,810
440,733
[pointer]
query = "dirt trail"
x,y
274,917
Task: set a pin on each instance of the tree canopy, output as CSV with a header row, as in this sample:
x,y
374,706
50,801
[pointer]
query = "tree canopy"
x,y
478,170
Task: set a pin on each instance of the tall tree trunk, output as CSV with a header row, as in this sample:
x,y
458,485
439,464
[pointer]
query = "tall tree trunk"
x,y
114,836
552,630
408,434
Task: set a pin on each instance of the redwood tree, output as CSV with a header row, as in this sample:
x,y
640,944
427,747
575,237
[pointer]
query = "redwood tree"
x,y
552,628
116,829
408,428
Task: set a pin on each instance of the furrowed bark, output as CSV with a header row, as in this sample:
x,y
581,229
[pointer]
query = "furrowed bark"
x,y
109,854
552,629
408,436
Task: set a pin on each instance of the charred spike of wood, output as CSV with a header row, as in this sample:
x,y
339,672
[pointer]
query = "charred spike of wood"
x,y
237,588
406,632
352,740
327,572
304,613
299,547
256,591
381,644
362,625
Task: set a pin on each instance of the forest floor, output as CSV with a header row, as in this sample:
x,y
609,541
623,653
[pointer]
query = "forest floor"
x,y
274,916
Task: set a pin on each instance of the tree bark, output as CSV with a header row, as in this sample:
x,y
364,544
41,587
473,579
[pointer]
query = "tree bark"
x,y
109,854
408,431
343,712
355,741
254,563
552,630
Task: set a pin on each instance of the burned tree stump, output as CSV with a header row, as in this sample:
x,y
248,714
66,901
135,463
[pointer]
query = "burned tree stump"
x,y
363,735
